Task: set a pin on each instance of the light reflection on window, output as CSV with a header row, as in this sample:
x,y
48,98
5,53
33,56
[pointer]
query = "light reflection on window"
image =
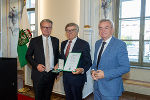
x,y
131,32
30,5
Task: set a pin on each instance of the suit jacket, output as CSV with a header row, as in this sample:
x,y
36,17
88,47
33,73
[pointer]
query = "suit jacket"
x,y
80,46
114,62
35,54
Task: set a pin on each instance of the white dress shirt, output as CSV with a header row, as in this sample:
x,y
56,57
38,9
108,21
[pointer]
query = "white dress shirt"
x,y
72,45
107,42
51,54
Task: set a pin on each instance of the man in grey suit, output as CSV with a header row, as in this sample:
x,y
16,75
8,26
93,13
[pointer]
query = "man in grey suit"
x,y
110,63
42,54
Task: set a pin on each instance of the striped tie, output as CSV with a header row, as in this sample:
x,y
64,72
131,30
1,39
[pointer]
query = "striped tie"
x,y
100,53
68,47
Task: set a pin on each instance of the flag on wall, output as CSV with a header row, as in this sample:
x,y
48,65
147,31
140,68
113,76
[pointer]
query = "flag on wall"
x,y
24,37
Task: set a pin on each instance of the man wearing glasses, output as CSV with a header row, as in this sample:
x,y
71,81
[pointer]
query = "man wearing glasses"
x,y
110,63
42,54
74,81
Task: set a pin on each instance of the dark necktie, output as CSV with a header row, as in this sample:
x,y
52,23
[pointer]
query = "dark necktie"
x,y
68,48
100,53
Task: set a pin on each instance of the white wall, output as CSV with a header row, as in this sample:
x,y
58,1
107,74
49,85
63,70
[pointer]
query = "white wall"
x,y
138,81
60,12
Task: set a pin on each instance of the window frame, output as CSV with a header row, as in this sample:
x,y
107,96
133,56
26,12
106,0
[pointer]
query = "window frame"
x,y
28,10
141,40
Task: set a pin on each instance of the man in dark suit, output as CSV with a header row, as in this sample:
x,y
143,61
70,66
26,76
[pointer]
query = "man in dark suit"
x,y
74,81
110,63
42,54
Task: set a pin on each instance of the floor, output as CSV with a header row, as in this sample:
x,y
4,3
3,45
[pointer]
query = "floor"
x,y
125,96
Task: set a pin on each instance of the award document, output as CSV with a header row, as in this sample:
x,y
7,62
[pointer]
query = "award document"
x,y
60,64
72,61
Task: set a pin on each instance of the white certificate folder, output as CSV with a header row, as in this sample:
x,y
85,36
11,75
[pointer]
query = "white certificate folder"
x,y
72,62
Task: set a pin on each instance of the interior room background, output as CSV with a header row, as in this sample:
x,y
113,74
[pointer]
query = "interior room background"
x,y
132,25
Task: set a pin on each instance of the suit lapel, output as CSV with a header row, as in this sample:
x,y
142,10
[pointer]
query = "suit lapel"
x,y
97,47
109,47
62,49
53,43
76,45
41,48
40,42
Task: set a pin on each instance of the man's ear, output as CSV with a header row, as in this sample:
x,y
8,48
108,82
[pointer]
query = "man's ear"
x,y
112,31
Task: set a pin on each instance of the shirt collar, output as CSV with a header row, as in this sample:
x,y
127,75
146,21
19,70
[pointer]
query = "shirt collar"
x,y
108,40
74,40
44,37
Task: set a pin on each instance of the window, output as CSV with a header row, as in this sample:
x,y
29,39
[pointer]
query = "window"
x,y
134,29
30,5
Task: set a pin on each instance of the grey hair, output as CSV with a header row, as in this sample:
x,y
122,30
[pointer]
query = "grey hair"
x,y
46,20
107,20
72,24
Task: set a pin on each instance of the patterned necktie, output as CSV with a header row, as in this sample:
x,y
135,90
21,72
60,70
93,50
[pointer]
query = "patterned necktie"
x,y
68,47
100,53
47,57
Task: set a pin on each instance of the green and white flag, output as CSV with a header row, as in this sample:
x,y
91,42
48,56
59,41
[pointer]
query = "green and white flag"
x,y
24,37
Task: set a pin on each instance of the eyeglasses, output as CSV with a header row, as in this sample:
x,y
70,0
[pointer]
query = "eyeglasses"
x,y
46,27
105,28
72,30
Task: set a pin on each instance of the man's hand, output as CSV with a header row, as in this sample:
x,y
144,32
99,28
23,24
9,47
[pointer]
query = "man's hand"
x,y
99,74
40,67
59,75
93,72
78,71
56,67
